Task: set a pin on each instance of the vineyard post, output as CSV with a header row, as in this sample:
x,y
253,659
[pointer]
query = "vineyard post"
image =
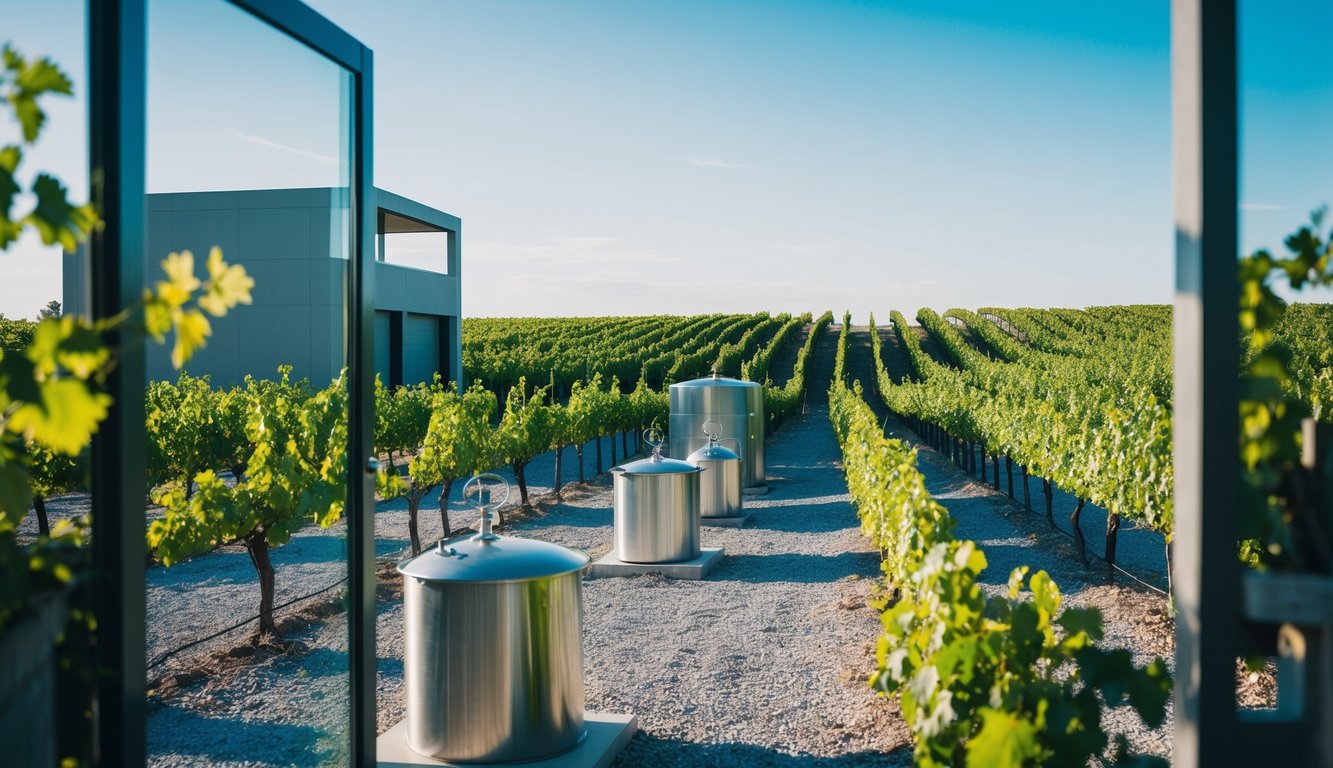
x,y
983,462
1112,533
1027,497
1009,474
995,465
559,456
1049,493
1074,518
39,508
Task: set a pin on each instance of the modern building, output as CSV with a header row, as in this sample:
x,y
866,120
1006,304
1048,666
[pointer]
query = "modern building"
x,y
293,242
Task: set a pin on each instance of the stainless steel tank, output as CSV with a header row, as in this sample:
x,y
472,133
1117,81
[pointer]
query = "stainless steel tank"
x,y
493,655
737,405
720,485
656,508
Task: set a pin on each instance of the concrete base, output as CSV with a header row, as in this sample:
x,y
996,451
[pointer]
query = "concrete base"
x,y
607,735
727,522
756,490
698,568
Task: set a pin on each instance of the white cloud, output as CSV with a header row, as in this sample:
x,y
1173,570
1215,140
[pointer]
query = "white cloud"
x,y
1248,206
269,144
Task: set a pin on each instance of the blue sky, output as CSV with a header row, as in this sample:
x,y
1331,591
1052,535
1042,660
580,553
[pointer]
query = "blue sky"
x,y
615,158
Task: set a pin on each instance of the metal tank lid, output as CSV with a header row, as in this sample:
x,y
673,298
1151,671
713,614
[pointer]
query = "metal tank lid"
x,y
488,557
655,464
716,380
503,558
714,451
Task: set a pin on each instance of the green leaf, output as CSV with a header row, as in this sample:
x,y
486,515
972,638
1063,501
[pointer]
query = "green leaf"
x,y
31,81
10,156
1004,741
57,220
65,416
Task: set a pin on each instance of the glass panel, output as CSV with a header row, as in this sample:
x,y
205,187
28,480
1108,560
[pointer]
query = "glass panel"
x,y
419,250
1286,172
32,283
33,277
249,136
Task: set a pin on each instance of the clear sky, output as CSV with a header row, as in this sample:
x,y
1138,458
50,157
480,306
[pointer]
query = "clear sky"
x,y
616,158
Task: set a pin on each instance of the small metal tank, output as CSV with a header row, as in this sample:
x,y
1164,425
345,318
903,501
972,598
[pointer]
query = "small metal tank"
x,y
720,488
656,508
737,405
493,655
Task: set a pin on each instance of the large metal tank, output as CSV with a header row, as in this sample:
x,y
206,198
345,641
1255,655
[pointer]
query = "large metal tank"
x,y
720,485
737,405
493,655
656,516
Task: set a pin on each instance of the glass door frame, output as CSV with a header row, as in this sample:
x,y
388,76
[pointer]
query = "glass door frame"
x,y
117,87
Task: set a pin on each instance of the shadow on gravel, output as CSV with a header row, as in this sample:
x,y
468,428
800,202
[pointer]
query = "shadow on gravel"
x,y
227,737
792,567
645,749
837,519
583,517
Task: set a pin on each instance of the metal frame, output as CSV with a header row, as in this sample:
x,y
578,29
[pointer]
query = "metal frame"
x,y
1206,576
117,92
117,68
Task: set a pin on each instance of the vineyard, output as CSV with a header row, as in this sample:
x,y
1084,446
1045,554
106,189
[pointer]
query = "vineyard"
x,y
1077,400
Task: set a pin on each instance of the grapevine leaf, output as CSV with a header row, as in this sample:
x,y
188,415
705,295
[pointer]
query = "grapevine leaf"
x,y
64,417
1004,741
192,329
57,220
181,281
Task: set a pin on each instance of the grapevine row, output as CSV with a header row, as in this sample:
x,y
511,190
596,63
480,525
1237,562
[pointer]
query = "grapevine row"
x,y
981,680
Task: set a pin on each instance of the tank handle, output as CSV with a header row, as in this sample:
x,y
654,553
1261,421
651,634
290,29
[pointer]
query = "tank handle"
x,y
740,451
485,486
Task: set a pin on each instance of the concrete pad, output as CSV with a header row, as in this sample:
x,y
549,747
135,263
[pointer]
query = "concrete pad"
x,y
756,490
727,522
698,568
607,735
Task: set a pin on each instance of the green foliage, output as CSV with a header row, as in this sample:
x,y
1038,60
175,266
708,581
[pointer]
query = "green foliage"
x,y
1000,681
15,335
186,430
1279,526
660,348
1102,432
527,428
402,417
781,401
458,438
23,84
295,476
756,368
